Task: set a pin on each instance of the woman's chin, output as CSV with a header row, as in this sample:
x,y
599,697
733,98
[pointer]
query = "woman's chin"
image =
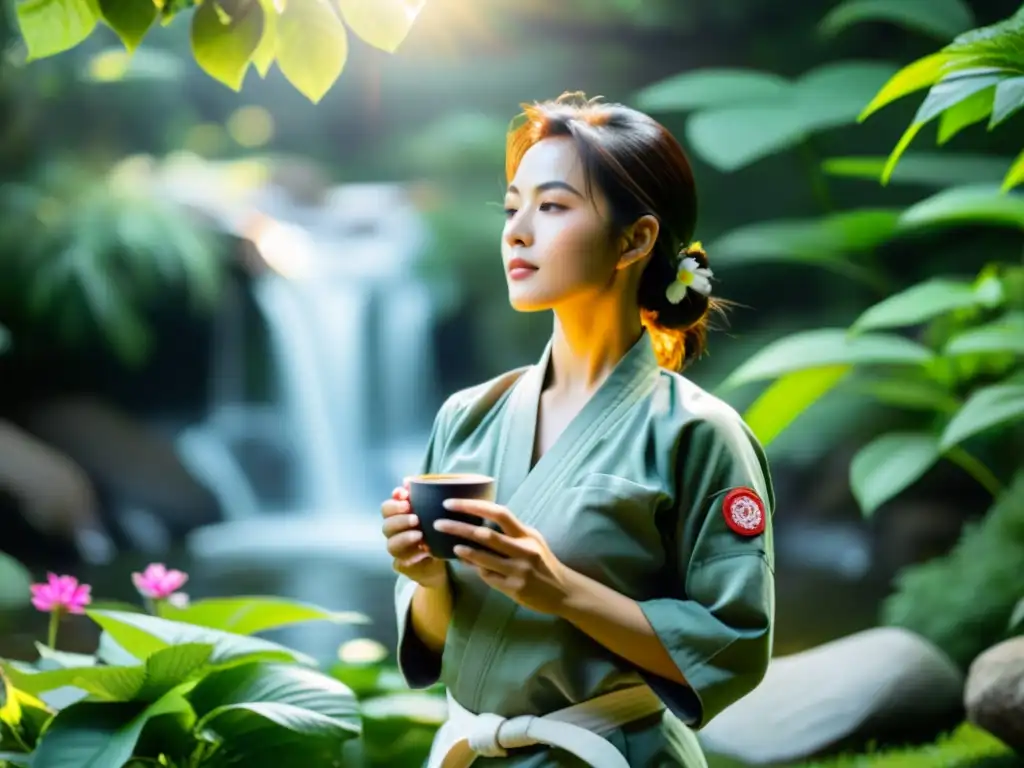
x,y
522,303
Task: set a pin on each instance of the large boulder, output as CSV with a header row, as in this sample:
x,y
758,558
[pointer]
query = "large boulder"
x,y
994,696
884,685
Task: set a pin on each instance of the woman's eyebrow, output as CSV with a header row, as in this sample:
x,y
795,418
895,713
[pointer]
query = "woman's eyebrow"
x,y
549,185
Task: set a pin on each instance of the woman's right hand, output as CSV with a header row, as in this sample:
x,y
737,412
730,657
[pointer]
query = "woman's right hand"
x,y
406,545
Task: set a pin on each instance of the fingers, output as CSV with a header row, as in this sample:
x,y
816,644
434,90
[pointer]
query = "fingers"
x,y
404,545
407,564
398,523
489,511
393,507
401,493
488,537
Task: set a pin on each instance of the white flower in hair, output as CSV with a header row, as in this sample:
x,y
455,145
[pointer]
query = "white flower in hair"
x,y
690,276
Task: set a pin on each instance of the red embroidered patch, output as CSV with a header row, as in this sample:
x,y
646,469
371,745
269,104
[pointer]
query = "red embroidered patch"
x,y
744,512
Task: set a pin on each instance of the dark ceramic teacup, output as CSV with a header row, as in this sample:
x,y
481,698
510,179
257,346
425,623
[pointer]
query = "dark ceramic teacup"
x,y
427,494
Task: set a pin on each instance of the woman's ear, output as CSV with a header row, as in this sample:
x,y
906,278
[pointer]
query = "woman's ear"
x,y
638,240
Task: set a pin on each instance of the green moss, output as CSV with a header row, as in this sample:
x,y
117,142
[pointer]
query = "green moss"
x,y
965,747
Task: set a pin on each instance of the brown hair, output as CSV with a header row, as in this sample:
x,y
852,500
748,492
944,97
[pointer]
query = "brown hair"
x,y
642,170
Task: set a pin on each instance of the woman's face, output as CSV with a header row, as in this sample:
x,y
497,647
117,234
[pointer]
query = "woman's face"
x,y
557,242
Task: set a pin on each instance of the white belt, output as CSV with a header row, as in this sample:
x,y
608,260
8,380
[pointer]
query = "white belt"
x,y
577,729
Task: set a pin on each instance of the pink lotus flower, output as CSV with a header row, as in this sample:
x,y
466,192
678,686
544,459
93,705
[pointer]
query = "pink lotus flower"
x,y
158,583
61,594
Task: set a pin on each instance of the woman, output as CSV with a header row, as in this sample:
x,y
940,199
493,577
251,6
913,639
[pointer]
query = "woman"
x,y
627,586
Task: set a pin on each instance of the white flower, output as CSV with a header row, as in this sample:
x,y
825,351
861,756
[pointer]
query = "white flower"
x,y
691,275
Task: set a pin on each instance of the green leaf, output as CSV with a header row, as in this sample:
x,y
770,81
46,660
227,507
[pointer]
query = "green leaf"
x,y
913,77
162,671
250,615
712,88
971,110
943,19
824,241
269,734
985,408
312,46
225,35
788,397
266,51
912,393
15,580
383,24
929,169
1009,98
1015,176
976,204
53,26
130,19
889,465
917,304
99,734
51,659
142,636
1000,337
954,89
277,683
830,96
827,347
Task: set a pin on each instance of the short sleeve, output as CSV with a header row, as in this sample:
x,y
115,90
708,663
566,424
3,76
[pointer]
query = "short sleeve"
x,y
420,666
716,614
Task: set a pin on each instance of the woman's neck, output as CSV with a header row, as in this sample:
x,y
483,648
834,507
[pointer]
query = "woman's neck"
x,y
587,343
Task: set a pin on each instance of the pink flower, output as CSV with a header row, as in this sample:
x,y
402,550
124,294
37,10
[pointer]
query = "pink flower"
x,y
158,583
61,593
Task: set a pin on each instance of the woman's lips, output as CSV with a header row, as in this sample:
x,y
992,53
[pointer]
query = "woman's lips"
x,y
519,269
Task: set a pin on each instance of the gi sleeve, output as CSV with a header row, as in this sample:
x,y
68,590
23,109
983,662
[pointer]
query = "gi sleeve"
x,y
715,616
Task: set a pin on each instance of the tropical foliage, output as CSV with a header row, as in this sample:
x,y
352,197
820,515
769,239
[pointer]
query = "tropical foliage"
x,y
948,350
307,39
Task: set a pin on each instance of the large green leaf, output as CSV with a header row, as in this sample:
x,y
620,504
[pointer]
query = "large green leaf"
x,y
1015,176
929,169
943,19
250,615
50,27
889,465
1009,98
732,137
915,393
824,241
312,46
162,671
130,19
985,408
1002,336
266,734
278,683
225,34
827,347
913,77
788,397
383,24
712,88
265,53
917,304
99,734
142,636
975,204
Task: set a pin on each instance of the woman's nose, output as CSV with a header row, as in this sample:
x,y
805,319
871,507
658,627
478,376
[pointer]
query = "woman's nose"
x,y
517,233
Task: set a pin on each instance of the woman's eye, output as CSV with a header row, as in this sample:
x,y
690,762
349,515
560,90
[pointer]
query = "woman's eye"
x,y
510,212
552,207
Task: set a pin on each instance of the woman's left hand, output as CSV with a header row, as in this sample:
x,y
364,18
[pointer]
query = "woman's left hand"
x,y
520,563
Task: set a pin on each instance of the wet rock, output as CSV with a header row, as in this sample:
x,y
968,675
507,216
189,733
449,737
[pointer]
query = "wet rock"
x,y
994,696
885,685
